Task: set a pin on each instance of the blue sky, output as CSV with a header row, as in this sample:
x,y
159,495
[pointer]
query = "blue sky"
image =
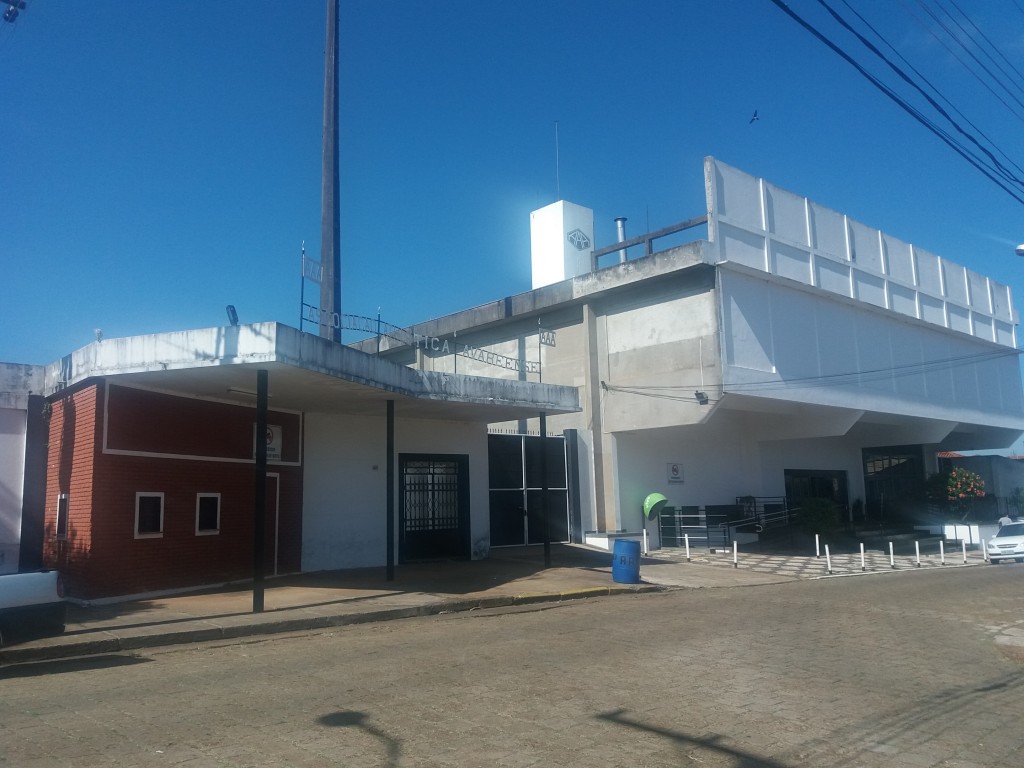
x,y
162,160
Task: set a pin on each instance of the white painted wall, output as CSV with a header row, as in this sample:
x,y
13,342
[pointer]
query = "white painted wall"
x,y
344,484
783,342
731,455
13,426
344,495
757,225
585,480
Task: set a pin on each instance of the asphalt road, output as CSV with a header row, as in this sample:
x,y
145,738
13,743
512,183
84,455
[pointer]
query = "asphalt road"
x,y
897,669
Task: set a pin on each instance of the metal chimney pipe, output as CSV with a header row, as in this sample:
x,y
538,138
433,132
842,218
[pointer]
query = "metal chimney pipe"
x,y
620,224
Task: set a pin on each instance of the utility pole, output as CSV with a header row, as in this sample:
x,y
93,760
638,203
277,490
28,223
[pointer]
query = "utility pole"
x,y
330,247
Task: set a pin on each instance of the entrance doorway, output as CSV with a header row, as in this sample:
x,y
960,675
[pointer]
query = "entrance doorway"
x,y
894,478
433,512
816,484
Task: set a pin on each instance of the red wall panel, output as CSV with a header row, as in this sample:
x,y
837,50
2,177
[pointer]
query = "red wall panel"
x,y
102,556
154,422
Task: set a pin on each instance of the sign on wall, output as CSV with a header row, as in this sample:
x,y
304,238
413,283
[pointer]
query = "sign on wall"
x,y
675,472
273,438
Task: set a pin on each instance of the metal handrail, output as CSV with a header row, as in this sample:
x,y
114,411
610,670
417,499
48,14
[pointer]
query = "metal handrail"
x,y
648,239
763,522
716,529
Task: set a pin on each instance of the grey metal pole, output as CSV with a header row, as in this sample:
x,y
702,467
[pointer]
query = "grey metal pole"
x,y
330,247
259,515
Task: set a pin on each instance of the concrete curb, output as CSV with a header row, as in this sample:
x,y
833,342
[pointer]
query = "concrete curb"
x,y
110,641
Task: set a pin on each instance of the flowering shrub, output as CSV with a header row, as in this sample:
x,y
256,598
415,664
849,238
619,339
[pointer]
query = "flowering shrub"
x,y
962,487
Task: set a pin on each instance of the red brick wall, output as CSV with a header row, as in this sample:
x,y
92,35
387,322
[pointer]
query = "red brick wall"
x,y
71,458
107,559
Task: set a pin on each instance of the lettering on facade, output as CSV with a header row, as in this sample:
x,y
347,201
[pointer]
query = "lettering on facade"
x,y
322,317
312,269
433,344
502,361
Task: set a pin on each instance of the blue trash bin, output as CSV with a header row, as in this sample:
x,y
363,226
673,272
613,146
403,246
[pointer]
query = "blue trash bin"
x,y
626,561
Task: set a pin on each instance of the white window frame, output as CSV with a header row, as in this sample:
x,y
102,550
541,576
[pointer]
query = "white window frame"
x,y
154,534
62,497
207,531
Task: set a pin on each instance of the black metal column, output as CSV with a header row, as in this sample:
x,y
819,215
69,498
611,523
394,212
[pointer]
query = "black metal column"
x,y
391,492
544,488
259,512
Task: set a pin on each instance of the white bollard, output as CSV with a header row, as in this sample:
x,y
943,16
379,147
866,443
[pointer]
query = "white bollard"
x,y
892,560
646,550
828,560
964,543
917,552
863,567
686,538
735,556
817,548
942,552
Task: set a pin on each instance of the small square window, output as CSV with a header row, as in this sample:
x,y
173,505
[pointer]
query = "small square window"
x,y
149,515
207,514
62,517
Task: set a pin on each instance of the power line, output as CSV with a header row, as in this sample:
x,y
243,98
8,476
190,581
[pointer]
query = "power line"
x,y
902,103
969,52
668,391
985,45
955,54
997,166
927,82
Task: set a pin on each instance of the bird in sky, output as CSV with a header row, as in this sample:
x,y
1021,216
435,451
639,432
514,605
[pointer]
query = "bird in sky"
x,y
755,117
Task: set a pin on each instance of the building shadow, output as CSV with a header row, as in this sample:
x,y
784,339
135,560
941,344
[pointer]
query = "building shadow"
x,y
85,663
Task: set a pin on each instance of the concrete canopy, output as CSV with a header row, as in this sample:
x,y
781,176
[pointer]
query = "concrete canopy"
x,y
306,373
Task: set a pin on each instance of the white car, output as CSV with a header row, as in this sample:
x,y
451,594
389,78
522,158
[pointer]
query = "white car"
x,y
1008,544
31,604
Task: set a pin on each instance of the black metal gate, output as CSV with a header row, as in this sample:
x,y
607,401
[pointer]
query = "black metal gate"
x,y
516,490
433,507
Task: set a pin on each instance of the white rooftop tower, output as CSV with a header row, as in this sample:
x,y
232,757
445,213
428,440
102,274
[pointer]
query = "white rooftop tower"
x,y
561,241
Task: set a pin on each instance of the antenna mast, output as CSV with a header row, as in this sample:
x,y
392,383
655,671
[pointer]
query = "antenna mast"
x,y
558,189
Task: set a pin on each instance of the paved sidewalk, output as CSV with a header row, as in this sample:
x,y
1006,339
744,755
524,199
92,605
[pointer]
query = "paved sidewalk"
x,y
823,566
509,577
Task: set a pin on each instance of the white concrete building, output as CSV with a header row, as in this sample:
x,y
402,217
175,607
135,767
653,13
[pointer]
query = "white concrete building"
x,y
794,352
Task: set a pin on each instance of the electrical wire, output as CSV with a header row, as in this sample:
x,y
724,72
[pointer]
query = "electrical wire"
x,y
996,165
969,52
955,54
899,101
1003,56
984,44
669,391
930,85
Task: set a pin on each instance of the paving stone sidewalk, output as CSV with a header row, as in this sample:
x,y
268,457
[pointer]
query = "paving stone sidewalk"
x,y
508,578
